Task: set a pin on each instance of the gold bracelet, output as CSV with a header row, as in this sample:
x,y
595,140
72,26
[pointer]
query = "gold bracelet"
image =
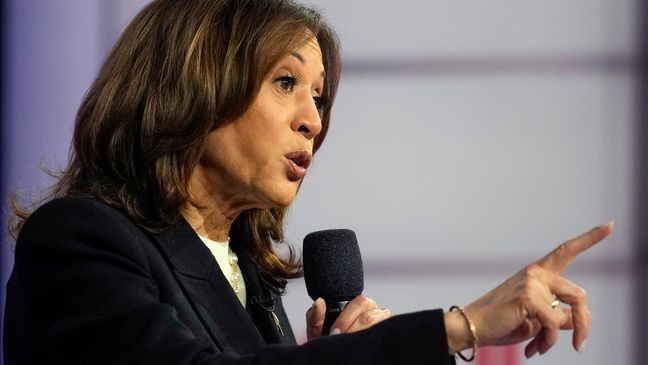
x,y
473,333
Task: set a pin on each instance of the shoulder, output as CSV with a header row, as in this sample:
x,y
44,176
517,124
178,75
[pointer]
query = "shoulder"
x,y
70,212
73,224
73,207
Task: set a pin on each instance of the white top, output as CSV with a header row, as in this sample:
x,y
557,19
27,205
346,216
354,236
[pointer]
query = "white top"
x,y
220,251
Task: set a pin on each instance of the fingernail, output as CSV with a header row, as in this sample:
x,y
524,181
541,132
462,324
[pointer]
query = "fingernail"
x,y
582,345
608,224
335,331
315,303
531,350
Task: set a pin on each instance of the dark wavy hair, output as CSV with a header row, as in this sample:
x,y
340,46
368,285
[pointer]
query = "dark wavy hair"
x,y
179,70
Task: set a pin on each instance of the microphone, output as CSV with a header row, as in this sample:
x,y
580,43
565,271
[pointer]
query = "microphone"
x,y
332,270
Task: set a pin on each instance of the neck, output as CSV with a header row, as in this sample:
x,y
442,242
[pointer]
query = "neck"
x,y
211,209
208,222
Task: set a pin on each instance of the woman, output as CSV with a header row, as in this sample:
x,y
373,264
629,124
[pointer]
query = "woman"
x,y
156,244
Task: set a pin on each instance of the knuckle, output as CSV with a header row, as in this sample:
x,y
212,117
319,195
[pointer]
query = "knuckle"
x,y
532,271
551,322
555,323
562,249
581,295
528,288
373,303
367,318
364,300
526,296
591,236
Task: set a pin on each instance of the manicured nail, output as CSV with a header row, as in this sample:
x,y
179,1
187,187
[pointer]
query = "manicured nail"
x,y
608,224
531,350
335,331
315,303
582,345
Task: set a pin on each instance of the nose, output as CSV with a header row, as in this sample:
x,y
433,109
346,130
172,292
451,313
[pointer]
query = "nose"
x,y
307,121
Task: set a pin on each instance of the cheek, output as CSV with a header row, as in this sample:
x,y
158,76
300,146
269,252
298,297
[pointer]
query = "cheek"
x,y
254,159
263,141
225,153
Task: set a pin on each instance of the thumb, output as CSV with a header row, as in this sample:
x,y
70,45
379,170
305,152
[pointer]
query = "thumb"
x,y
315,319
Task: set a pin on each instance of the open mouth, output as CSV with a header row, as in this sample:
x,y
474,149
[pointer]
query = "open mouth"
x,y
298,162
301,158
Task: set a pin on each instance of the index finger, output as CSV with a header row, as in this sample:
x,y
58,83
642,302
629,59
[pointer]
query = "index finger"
x,y
558,259
352,311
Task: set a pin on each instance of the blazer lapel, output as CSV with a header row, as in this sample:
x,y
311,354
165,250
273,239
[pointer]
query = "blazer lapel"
x,y
208,291
263,306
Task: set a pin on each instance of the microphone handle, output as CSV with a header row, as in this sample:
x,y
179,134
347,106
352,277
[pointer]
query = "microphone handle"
x,y
333,310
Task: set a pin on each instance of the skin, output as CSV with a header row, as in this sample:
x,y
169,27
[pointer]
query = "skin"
x,y
244,163
244,166
520,308
516,311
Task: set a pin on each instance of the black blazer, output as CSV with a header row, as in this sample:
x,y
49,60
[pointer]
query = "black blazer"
x,y
90,287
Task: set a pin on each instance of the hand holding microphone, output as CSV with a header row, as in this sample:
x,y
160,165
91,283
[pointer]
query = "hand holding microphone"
x,y
524,307
335,281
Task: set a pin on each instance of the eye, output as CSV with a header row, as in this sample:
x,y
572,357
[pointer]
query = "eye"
x,y
320,104
286,83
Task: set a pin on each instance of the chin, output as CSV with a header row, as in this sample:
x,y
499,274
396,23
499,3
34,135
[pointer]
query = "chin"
x,y
284,201
285,197
279,196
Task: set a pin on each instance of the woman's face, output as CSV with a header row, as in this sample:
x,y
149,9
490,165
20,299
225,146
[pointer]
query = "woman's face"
x,y
259,159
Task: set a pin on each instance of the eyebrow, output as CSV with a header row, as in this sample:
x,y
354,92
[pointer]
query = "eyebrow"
x,y
298,56
303,62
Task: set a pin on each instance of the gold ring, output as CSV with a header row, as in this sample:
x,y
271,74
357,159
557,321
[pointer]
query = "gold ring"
x,y
555,303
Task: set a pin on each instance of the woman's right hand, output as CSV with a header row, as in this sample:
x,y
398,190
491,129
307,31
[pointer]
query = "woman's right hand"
x,y
520,308
360,313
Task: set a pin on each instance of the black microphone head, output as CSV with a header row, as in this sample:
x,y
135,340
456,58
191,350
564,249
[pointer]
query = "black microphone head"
x,y
332,265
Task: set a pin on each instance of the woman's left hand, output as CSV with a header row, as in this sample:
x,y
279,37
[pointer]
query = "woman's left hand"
x,y
360,313
522,307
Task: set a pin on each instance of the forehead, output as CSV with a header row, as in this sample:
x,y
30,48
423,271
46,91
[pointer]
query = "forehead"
x,y
309,52
312,46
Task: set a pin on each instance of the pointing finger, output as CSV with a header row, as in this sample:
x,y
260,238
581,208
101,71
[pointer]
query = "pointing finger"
x,y
558,259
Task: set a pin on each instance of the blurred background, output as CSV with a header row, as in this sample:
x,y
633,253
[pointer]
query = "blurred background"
x,y
469,138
